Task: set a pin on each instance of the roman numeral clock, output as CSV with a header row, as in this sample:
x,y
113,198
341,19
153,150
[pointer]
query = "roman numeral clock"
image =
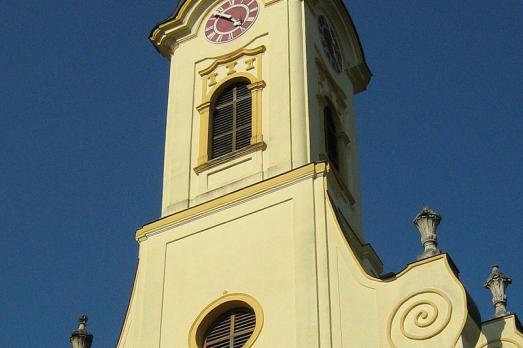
x,y
231,19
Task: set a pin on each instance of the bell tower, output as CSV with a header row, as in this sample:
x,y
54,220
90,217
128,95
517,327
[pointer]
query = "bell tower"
x,y
301,79
260,167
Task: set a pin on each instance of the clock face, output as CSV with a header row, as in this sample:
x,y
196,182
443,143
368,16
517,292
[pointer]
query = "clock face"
x,y
230,20
330,44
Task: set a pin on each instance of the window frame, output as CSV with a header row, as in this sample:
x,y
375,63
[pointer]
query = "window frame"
x,y
234,128
244,64
331,143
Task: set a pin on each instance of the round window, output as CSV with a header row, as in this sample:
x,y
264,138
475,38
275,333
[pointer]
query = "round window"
x,y
232,321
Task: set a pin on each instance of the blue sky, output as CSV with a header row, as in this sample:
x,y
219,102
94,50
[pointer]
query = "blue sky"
x,y
83,102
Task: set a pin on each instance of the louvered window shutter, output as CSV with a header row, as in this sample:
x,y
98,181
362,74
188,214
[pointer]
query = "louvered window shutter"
x,y
231,126
232,330
331,141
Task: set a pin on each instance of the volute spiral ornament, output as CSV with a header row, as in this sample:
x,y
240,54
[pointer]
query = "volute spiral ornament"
x,y
419,317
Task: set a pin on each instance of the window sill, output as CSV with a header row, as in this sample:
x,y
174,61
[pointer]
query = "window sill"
x,y
229,157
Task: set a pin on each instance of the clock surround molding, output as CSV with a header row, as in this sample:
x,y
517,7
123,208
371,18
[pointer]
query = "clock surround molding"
x,y
186,23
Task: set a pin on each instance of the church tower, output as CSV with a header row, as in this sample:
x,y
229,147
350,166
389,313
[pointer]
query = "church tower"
x,y
299,81
260,122
260,241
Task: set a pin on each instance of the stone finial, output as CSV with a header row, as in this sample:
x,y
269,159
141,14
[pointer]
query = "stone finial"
x,y
81,338
427,222
497,283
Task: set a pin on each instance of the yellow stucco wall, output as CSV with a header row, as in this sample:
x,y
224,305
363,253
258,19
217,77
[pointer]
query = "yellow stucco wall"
x,y
274,226
295,76
183,187
286,249
269,255
503,332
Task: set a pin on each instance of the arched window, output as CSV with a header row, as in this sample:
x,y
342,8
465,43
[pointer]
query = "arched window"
x,y
231,120
331,138
231,330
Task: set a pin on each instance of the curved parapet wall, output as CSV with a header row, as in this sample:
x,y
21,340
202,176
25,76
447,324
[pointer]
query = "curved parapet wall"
x,y
423,306
505,332
290,254
431,309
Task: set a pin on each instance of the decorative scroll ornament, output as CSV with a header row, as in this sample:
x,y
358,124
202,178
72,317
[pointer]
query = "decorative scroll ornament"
x,y
498,283
420,317
81,338
427,222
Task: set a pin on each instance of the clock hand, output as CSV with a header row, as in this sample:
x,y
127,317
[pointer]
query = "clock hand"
x,y
236,22
222,15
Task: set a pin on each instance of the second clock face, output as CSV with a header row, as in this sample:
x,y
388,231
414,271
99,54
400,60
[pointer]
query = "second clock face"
x,y
330,44
230,20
